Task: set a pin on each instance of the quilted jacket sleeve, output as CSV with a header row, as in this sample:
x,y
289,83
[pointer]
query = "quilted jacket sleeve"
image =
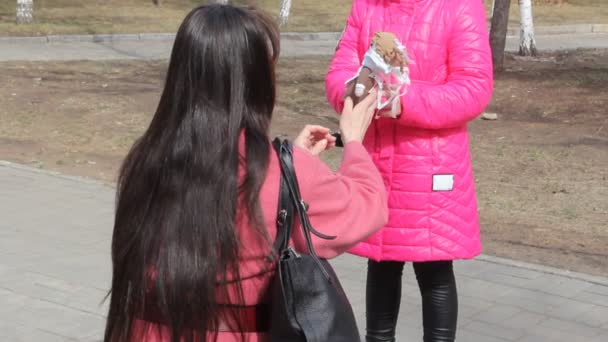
x,y
468,88
350,204
345,63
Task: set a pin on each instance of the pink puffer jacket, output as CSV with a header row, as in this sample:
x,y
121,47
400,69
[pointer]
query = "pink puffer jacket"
x,y
423,155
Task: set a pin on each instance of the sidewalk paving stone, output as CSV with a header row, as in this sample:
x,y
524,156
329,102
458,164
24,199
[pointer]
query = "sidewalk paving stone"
x,y
153,46
55,271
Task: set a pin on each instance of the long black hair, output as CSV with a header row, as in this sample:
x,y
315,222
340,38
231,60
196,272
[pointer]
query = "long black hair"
x,y
174,242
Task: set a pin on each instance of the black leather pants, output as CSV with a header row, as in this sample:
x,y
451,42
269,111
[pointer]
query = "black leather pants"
x,y
439,300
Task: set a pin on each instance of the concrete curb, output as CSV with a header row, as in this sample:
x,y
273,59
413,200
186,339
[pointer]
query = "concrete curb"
x,y
108,38
597,280
600,28
564,29
299,36
78,179
485,258
85,38
96,38
311,35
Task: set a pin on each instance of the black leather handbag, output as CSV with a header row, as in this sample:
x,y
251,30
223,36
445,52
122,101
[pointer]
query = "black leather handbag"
x,y
308,304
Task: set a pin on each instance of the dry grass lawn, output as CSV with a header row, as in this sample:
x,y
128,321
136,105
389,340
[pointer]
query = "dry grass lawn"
x,y
541,170
135,16
560,12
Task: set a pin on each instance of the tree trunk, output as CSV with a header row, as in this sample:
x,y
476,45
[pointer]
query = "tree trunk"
x,y
498,32
527,43
285,9
25,11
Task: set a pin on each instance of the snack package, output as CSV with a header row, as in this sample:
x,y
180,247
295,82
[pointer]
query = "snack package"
x,y
385,65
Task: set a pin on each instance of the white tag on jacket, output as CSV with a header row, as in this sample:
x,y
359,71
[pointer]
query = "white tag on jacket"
x,y
443,182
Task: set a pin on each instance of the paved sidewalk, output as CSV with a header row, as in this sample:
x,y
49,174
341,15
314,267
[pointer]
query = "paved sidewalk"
x,y
55,270
159,46
146,48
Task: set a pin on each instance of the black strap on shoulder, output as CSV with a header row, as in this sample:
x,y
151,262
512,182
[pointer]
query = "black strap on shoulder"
x,y
289,183
285,209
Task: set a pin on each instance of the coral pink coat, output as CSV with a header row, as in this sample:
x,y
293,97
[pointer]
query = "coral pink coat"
x,y
350,204
423,155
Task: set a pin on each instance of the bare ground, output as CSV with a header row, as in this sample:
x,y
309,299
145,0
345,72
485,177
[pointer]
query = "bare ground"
x,y
541,169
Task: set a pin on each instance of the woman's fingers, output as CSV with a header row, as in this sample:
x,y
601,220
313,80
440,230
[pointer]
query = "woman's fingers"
x,y
370,99
314,129
310,131
348,106
329,137
318,129
355,120
319,147
315,139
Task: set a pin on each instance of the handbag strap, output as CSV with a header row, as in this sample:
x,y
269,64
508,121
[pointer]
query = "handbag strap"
x,y
289,185
291,179
285,210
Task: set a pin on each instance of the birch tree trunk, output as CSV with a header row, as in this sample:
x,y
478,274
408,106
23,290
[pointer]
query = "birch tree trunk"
x,y
284,13
25,11
527,42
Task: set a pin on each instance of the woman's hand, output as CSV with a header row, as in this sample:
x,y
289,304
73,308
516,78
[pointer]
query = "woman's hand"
x,y
355,120
315,139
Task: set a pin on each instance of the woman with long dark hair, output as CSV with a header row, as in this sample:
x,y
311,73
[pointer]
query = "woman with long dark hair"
x,y
198,192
